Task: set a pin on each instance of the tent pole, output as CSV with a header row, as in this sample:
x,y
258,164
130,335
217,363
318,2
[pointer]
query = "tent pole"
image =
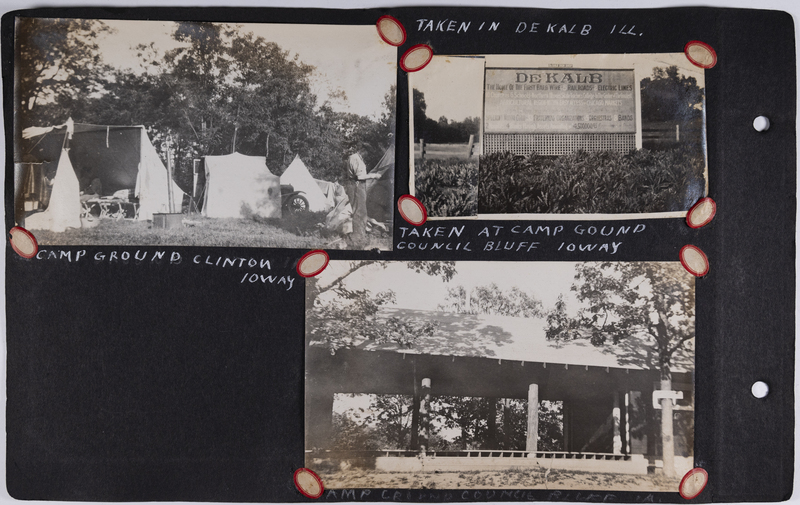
x,y
169,176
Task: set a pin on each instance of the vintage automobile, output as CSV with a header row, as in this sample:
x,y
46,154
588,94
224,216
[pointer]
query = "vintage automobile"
x,y
293,202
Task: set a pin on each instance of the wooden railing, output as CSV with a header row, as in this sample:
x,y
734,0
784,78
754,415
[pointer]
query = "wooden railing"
x,y
477,453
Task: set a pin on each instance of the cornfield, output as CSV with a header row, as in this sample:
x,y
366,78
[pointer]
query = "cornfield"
x,y
447,187
591,182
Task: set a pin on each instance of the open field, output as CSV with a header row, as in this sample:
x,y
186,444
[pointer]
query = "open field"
x,y
208,232
446,151
506,479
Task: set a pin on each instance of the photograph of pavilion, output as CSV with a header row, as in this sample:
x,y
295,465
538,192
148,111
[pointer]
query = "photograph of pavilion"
x,y
503,375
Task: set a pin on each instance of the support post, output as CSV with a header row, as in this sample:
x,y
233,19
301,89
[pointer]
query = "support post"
x,y
424,417
627,414
532,440
616,418
667,439
566,412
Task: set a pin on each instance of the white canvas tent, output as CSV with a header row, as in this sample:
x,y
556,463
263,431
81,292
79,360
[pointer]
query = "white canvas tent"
x,y
151,184
238,186
121,157
300,178
64,209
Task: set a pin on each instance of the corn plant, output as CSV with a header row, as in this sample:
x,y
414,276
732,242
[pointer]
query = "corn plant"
x,y
590,182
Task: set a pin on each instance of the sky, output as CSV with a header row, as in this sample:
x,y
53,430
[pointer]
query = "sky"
x,y
351,58
544,280
453,86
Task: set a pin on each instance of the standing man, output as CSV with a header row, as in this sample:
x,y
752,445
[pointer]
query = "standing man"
x,y
355,174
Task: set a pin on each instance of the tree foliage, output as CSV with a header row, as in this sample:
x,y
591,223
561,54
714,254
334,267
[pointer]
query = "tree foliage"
x,y
351,315
387,424
443,131
218,90
490,299
645,309
671,96
57,66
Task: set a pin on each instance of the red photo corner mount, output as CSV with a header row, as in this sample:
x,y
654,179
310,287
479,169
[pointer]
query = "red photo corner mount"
x,y
312,263
412,210
693,483
308,483
701,213
23,242
694,260
700,54
391,30
416,58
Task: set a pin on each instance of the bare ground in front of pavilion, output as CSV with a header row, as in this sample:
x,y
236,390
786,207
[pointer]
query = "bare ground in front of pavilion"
x,y
501,479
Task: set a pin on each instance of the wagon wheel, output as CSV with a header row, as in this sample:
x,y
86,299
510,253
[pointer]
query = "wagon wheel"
x,y
297,204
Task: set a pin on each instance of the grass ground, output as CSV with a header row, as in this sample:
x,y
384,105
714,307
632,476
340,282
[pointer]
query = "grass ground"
x,y
506,479
208,232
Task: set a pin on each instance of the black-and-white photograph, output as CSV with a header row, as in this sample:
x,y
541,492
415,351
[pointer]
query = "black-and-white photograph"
x,y
501,375
210,134
610,135
446,110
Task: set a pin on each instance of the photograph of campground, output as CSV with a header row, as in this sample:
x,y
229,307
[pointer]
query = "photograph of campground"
x,y
523,135
500,375
204,134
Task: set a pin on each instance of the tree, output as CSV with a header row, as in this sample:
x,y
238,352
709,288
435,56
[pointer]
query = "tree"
x,y
551,426
351,314
643,309
419,107
670,96
472,415
349,435
490,299
443,269
392,419
58,65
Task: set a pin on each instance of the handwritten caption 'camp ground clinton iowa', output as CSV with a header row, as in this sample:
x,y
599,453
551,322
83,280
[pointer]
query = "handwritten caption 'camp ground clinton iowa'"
x,y
256,270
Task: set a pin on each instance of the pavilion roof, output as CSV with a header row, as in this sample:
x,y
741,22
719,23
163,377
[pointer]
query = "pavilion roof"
x,y
519,339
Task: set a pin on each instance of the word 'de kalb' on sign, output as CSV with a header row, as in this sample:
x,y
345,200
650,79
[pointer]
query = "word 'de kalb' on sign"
x,y
555,111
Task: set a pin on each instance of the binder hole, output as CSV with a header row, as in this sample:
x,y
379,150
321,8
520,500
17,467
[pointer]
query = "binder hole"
x,y
761,123
759,389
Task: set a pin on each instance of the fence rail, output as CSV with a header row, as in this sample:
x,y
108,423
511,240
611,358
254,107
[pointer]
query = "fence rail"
x,y
470,454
